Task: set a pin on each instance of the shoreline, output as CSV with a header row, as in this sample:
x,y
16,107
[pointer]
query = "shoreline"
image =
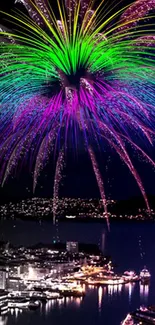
x,y
75,220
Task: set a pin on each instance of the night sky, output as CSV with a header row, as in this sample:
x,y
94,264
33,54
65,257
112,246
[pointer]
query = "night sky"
x,y
79,180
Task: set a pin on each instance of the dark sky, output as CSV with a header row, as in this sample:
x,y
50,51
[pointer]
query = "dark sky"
x,y
79,180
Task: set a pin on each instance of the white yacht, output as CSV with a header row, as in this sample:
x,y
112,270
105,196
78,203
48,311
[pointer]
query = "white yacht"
x,y
145,275
18,304
70,217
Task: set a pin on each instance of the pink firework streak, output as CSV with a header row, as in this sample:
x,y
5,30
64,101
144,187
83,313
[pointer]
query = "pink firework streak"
x,y
99,182
57,180
134,13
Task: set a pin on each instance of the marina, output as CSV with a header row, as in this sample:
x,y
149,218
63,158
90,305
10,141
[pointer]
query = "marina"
x,y
39,292
35,276
106,303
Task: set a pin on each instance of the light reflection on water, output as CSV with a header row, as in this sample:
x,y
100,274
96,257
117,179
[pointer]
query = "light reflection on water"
x,y
63,302
144,293
114,289
100,296
3,320
103,292
130,288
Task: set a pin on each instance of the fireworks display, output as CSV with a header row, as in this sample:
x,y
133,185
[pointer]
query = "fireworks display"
x,y
85,72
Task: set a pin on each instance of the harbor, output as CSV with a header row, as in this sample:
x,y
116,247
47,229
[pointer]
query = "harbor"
x,y
31,277
32,289
31,269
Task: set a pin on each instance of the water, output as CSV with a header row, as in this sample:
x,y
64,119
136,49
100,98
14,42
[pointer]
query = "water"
x,y
131,246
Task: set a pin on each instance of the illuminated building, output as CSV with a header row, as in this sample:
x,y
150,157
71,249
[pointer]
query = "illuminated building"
x,y
15,271
3,278
3,302
15,284
72,247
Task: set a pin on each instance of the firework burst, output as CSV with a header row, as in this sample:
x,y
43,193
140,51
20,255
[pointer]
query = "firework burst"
x,y
84,71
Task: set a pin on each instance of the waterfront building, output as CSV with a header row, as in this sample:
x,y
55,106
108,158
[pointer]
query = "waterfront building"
x,y
15,284
15,271
3,302
72,247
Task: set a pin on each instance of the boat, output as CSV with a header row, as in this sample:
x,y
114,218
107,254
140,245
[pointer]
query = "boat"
x,y
128,320
43,299
151,308
106,281
70,217
130,273
52,295
145,316
33,305
145,276
38,295
130,276
71,293
22,303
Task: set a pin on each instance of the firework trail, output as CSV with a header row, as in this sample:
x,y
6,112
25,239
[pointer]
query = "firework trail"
x,y
43,155
133,14
86,70
57,180
17,153
99,182
42,158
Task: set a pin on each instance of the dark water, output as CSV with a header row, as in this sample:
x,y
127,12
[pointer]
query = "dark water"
x,y
131,245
